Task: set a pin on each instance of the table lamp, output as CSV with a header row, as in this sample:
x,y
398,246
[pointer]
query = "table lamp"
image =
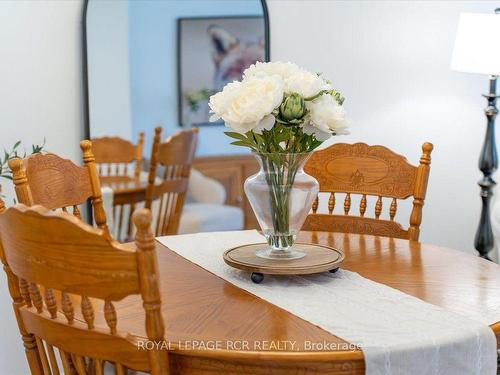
x,y
477,50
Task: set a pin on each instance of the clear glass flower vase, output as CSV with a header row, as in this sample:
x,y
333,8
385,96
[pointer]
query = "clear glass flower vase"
x,y
281,195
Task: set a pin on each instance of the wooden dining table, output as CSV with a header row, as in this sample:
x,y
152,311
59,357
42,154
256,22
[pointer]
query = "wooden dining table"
x,y
214,327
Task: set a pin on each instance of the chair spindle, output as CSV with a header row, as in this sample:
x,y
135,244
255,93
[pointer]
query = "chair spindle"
x,y
120,370
347,203
393,209
67,308
88,312
66,364
52,360
76,212
362,205
79,362
160,216
36,297
43,356
110,316
378,207
315,204
24,288
98,367
331,203
129,227
50,302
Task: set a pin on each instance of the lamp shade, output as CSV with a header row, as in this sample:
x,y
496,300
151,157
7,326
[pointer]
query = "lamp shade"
x,y
477,46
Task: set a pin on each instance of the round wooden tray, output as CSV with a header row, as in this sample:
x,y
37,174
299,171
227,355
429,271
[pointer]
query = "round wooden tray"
x,y
318,259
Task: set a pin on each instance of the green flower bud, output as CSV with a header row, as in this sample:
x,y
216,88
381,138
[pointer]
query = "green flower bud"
x,y
293,107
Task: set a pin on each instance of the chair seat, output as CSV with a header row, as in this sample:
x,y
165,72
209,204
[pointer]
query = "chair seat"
x,y
210,217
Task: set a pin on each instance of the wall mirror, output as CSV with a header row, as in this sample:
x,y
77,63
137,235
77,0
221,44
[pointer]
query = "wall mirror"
x,y
156,62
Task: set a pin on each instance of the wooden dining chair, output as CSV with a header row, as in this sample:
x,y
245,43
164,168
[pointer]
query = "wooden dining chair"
x,y
57,183
113,156
54,262
368,171
175,156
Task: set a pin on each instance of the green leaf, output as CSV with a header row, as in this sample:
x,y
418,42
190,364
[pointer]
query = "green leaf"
x,y
241,143
16,145
236,135
36,149
284,136
244,144
260,139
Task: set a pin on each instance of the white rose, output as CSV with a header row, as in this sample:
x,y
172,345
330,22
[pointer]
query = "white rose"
x,y
282,69
326,116
319,134
305,83
248,105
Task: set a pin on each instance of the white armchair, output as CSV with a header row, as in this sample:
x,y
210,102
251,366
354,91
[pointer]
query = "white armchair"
x,y
205,211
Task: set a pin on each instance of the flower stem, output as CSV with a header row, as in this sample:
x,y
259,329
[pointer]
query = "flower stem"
x,y
280,175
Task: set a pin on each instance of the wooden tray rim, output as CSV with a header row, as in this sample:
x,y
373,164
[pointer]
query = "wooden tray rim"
x,y
285,270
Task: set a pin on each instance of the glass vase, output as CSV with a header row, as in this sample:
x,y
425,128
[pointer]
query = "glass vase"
x,y
281,195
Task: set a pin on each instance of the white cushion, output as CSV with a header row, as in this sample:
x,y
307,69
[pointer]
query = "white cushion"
x,y
203,189
207,217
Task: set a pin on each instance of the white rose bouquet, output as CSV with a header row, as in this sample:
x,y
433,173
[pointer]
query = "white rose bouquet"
x,y
282,113
280,108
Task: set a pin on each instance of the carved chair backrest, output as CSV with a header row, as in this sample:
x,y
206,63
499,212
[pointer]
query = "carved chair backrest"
x,y
175,156
54,182
55,262
360,169
113,156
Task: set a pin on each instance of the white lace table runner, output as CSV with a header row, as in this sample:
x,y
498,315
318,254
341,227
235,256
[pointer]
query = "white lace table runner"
x,y
399,334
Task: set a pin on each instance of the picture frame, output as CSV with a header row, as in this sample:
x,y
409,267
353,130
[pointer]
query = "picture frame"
x,y
224,47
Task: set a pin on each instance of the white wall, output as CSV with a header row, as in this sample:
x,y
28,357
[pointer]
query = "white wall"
x,y
108,68
391,61
40,96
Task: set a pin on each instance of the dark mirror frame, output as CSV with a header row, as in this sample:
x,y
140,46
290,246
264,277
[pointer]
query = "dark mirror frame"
x,y
85,83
